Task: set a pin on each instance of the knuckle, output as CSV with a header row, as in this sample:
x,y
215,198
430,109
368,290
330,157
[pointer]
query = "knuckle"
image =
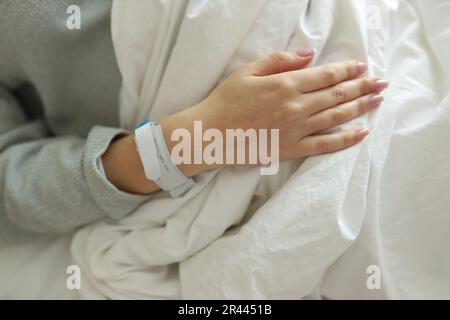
x,y
339,93
281,56
361,106
323,146
364,86
347,140
329,75
277,85
336,116
302,109
286,86
350,69
289,113
294,107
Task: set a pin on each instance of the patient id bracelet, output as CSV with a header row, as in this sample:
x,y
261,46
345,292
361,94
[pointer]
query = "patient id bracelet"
x,y
157,162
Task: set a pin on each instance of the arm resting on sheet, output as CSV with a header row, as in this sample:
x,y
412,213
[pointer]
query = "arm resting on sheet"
x,y
275,92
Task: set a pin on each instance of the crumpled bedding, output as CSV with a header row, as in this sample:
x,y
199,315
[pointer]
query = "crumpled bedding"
x,y
314,229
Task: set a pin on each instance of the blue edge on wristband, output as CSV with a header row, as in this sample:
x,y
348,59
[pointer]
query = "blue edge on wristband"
x,y
143,123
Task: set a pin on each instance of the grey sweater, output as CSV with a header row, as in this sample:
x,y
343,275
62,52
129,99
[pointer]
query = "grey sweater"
x,y
58,113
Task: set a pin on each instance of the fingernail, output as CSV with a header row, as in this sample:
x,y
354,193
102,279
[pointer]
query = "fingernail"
x,y
361,67
380,85
307,52
376,100
361,133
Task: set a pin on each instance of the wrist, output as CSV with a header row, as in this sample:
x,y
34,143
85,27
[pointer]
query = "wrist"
x,y
123,167
185,120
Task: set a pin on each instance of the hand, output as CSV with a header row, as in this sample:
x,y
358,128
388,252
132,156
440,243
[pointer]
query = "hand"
x,y
276,93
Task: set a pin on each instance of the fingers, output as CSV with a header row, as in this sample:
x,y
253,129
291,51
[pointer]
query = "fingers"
x,y
317,78
314,145
341,93
281,61
343,113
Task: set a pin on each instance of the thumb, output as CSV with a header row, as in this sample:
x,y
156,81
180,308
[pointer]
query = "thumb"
x,y
282,61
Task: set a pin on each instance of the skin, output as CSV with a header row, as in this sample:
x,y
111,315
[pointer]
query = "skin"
x,y
276,92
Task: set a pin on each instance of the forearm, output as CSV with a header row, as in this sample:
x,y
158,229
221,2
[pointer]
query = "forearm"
x,y
123,166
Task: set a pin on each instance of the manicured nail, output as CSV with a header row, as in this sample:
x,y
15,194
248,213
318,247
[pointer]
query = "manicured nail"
x,y
380,85
361,133
376,100
361,67
307,52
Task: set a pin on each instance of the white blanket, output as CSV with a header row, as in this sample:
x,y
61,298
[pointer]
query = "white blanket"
x,y
381,203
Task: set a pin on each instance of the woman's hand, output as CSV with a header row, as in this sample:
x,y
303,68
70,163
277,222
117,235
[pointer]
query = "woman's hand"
x,y
271,93
276,93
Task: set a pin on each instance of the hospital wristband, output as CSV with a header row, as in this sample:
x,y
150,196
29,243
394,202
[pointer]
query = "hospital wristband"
x,y
157,162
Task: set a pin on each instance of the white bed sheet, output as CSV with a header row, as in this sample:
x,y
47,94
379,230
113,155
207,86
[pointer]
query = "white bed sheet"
x,y
405,224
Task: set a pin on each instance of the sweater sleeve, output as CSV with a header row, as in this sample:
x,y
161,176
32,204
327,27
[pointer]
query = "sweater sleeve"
x,y
53,184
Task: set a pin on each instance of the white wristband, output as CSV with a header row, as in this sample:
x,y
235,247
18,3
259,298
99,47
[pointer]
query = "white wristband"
x,y
157,162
